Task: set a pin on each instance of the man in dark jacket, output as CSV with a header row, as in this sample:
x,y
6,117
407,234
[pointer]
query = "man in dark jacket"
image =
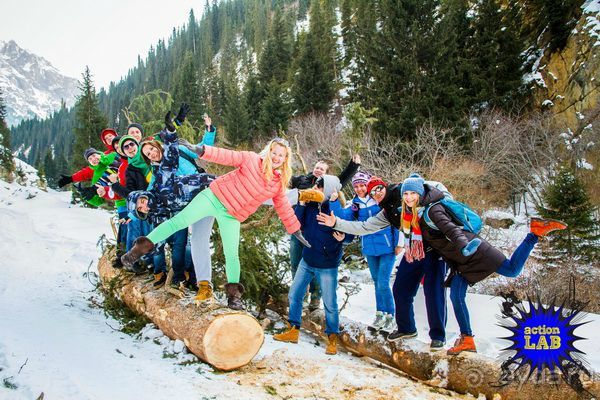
x,y
320,261
308,181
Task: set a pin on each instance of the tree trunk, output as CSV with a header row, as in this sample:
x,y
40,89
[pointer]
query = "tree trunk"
x,y
224,338
467,373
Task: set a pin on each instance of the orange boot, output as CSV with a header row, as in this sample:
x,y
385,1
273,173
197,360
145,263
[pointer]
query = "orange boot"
x,y
332,344
290,336
463,343
540,227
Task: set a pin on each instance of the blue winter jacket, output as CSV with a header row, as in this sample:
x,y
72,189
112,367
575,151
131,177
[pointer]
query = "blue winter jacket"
x,y
325,250
375,244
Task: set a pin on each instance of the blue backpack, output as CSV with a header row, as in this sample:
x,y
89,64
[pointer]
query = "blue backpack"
x,y
462,214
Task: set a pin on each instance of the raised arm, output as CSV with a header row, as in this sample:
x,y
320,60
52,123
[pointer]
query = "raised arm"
x,y
350,170
371,225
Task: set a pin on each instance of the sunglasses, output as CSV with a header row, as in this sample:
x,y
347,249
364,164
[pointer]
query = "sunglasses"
x,y
127,146
376,190
282,141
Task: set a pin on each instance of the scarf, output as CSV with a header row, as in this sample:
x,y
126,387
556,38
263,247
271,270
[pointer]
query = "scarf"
x,y
413,239
138,162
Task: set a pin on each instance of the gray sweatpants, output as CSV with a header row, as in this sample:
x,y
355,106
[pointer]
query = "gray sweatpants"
x,y
200,244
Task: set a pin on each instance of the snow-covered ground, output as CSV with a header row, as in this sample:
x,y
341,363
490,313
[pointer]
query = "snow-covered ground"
x,y
53,340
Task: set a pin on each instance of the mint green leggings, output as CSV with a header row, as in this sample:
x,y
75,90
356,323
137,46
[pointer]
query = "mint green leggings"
x,y
203,205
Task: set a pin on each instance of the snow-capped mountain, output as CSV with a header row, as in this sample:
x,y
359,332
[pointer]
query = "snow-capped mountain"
x,y
31,86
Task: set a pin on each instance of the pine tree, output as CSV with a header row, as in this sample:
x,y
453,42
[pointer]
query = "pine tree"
x,y
187,88
314,82
236,119
50,168
275,110
7,164
89,121
565,199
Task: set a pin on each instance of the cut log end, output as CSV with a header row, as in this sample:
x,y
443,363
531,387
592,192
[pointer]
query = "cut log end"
x,y
232,340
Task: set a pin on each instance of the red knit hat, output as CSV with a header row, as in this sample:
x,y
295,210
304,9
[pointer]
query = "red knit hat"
x,y
375,181
105,132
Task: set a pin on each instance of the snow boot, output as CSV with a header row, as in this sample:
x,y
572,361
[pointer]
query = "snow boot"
x,y
141,246
389,322
205,291
332,344
289,336
159,280
307,195
463,343
379,320
234,293
540,227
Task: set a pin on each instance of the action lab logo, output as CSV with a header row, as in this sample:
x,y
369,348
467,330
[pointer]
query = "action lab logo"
x,y
543,338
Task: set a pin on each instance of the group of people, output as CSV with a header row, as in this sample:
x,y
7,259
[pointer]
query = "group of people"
x,y
160,192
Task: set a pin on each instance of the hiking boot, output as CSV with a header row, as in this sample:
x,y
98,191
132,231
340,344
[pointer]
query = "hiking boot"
x,y
176,289
540,227
205,291
289,336
142,245
307,195
379,320
396,336
159,280
463,343
332,345
234,292
436,345
116,263
135,268
314,304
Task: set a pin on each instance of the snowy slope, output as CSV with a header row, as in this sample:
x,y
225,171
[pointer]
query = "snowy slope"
x,y
31,86
53,341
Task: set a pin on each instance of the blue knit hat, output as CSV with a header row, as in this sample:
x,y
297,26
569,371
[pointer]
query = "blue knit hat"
x,y
414,183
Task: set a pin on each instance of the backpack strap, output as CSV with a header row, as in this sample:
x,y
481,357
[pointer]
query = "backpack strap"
x,y
187,157
427,218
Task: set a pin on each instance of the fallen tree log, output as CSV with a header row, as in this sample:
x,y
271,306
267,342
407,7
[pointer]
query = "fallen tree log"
x,y
224,338
466,373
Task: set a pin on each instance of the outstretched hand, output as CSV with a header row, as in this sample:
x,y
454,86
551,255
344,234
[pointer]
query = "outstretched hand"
x,y
64,180
198,149
339,236
183,112
301,239
327,220
207,120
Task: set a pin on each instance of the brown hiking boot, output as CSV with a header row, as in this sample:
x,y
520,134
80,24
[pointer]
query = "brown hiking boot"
x,y
234,293
540,227
311,195
463,343
205,291
332,345
142,245
159,280
290,336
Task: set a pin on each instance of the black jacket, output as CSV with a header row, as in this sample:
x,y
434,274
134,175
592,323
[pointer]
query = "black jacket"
x,y
134,180
449,240
391,205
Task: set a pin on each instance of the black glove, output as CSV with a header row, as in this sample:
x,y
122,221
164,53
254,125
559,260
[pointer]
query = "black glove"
x,y
198,149
301,239
87,193
183,112
64,180
169,122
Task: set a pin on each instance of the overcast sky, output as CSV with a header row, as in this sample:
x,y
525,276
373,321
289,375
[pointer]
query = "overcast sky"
x,y
107,35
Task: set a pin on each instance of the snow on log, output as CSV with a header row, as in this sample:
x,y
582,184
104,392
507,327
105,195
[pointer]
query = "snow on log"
x,y
224,338
466,373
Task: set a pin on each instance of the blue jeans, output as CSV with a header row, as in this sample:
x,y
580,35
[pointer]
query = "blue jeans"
x,y
406,285
509,268
327,278
295,257
135,229
381,269
178,242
